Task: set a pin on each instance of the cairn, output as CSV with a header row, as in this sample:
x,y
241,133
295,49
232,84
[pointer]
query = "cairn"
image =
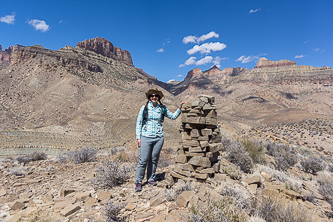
x,y
201,141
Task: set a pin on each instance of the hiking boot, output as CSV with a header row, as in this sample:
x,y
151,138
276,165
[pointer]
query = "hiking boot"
x,y
138,187
153,183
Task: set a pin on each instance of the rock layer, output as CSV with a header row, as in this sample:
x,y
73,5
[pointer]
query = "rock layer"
x,y
104,47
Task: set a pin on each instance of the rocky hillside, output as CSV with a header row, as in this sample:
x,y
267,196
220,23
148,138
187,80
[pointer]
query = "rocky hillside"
x,y
272,92
87,95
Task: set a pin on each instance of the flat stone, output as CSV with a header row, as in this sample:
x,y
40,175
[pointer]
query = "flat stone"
x,y
177,175
188,154
190,143
3,192
206,170
201,176
89,201
65,192
70,210
180,158
220,177
196,149
82,195
184,198
31,203
157,200
182,172
186,167
47,198
252,180
195,133
204,144
200,161
61,205
196,120
143,216
16,205
150,194
215,147
130,207
103,195
252,188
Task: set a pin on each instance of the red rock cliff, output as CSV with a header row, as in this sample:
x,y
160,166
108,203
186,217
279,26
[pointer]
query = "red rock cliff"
x,y
106,48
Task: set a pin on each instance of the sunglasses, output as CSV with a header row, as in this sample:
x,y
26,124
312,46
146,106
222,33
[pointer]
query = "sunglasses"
x,y
154,95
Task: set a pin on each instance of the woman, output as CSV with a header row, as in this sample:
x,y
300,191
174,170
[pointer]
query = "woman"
x,y
149,135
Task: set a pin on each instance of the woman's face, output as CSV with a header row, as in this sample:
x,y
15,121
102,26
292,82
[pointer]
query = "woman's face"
x,y
154,98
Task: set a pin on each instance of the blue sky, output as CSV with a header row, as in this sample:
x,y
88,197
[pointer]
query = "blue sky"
x,y
168,38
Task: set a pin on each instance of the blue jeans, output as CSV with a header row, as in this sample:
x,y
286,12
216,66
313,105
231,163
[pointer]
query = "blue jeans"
x,y
148,155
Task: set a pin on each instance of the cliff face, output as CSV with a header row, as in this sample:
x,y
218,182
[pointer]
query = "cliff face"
x,y
104,47
5,55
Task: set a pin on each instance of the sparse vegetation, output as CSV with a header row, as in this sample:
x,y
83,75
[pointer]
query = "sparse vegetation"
x,y
284,155
233,171
217,210
271,208
83,155
35,156
255,150
112,210
313,165
238,155
111,174
326,188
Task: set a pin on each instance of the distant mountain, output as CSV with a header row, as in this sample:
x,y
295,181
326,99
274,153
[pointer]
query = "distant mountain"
x,y
90,94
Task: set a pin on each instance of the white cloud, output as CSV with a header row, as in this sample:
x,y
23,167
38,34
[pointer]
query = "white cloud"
x,y
39,25
180,75
194,39
217,60
204,61
160,50
207,36
254,10
190,61
9,19
171,80
189,39
299,56
207,48
247,59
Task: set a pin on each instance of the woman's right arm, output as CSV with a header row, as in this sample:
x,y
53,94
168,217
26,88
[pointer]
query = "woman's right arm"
x,y
139,121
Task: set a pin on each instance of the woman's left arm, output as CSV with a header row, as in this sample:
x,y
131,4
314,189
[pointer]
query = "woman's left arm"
x,y
174,115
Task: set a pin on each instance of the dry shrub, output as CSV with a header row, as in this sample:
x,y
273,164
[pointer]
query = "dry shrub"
x,y
111,174
242,200
313,165
83,155
122,157
216,210
284,155
255,150
271,208
173,193
326,187
238,156
166,157
112,210
35,156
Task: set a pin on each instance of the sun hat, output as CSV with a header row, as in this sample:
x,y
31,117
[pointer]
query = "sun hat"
x,y
154,91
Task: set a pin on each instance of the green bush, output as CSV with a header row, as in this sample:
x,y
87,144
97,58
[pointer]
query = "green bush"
x,y
255,150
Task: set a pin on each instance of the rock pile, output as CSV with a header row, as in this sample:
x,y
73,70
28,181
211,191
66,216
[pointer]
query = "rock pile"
x,y
201,141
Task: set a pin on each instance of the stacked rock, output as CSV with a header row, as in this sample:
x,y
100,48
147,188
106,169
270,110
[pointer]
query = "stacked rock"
x,y
201,141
